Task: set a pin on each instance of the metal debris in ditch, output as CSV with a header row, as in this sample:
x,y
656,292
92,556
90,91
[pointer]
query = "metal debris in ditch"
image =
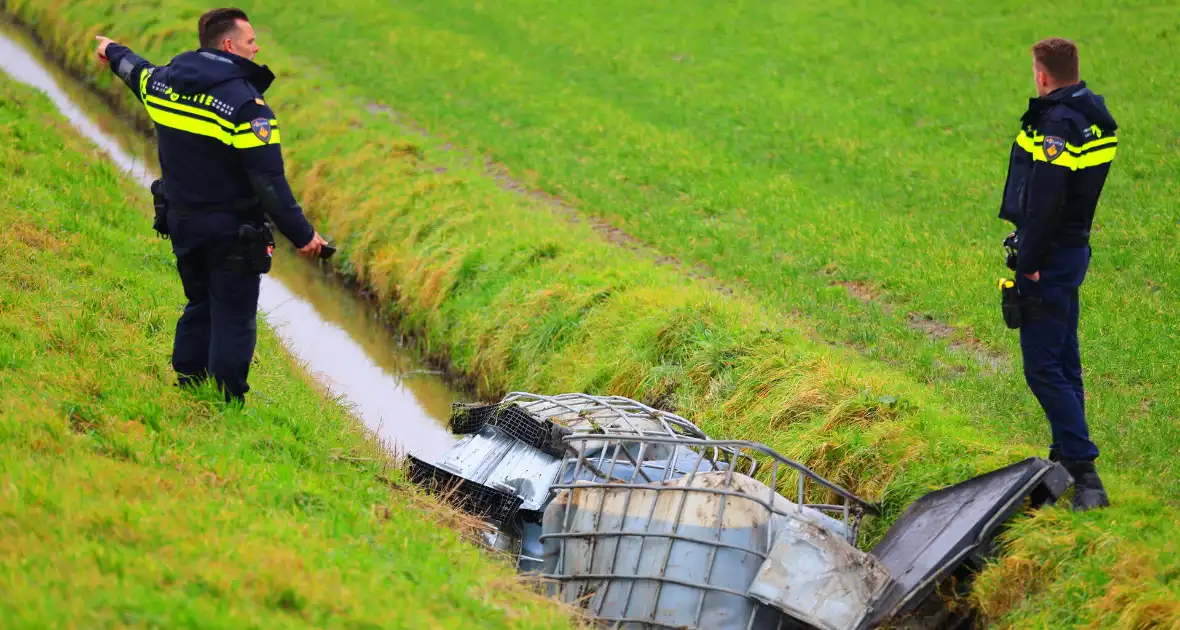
x,y
640,518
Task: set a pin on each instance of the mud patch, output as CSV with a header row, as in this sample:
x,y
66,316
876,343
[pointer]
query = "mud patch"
x,y
862,291
958,341
930,326
377,108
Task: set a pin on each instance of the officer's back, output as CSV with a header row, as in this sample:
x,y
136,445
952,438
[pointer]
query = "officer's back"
x,y
208,100
222,176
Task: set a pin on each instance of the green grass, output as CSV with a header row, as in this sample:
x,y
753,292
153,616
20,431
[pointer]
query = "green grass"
x,y
127,503
516,295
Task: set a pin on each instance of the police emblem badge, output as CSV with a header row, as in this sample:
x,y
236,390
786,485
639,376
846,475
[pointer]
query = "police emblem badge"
x,y
261,129
1054,147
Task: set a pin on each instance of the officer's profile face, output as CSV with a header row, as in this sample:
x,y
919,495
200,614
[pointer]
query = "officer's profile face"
x,y
240,41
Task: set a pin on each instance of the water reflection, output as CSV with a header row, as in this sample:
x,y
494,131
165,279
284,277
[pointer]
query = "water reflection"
x,y
352,352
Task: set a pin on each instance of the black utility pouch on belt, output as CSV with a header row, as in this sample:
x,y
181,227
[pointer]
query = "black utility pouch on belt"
x,y
1019,310
1011,304
256,245
160,223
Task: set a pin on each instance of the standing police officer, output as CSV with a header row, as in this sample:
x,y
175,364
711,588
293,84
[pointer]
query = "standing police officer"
x,y
1057,170
222,176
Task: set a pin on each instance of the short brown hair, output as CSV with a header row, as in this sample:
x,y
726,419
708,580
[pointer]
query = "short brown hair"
x,y
214,25
1058,57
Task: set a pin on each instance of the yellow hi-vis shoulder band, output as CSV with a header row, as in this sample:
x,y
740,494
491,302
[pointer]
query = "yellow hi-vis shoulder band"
x,y
247,139
1093,153
202,123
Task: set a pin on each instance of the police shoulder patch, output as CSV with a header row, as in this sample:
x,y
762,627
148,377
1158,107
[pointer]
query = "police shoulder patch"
x,y
261,129
1054,147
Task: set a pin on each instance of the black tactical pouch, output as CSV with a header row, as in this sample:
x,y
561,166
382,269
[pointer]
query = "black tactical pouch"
x,y
160,223
256,246
1018,309
1011,304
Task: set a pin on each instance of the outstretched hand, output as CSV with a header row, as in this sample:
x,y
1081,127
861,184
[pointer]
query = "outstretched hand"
x,y
101,51
312,249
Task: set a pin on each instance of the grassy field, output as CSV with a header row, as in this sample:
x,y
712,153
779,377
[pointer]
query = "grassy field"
x,y
792,359
126,503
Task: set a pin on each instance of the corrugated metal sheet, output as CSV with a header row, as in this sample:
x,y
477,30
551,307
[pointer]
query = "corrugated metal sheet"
x,y
503,463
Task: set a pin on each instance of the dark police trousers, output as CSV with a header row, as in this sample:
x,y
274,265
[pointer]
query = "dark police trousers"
x,y
1052,360
217,332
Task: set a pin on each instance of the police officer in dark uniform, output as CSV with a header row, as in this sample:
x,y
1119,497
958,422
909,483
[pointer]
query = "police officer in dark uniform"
x,y
222,177
1058,167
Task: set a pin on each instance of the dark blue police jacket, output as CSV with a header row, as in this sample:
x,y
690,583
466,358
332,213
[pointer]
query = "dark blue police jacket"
x,y
218,139
1056,171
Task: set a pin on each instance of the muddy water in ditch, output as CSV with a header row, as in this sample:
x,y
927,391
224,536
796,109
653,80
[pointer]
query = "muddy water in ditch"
x,y
339,337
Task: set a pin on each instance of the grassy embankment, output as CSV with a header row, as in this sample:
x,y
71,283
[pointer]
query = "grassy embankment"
x,y
520,297
124,502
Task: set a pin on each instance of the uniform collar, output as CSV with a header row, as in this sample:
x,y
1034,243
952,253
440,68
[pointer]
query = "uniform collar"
x,y
259,76
1039,104
1061,93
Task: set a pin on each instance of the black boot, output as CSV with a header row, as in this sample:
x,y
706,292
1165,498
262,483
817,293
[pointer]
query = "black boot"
x,y
1054,453
1088,492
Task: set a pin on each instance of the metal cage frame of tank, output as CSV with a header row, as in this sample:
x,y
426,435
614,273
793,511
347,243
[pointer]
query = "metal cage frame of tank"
x,y
602,408
728,456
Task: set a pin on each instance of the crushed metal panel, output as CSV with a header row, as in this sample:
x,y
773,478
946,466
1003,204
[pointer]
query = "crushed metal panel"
x,y
474,498
819,578
939,531
494,459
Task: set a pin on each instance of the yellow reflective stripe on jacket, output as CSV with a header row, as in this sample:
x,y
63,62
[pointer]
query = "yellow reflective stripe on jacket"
x,y
1073,157
248,140
195,111
1094,158
199,126
143,81
207,124
1093,144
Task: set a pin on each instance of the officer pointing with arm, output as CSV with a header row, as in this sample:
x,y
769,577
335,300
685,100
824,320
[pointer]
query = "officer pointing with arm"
x,y
222,176
1057,169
